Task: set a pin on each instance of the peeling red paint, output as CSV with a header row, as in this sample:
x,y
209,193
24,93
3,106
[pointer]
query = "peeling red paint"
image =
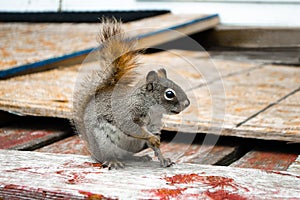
x,y
166,193
72,177
267,160
222,194
214,181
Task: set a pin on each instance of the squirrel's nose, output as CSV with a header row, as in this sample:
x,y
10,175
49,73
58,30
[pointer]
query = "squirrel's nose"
x,y
186,103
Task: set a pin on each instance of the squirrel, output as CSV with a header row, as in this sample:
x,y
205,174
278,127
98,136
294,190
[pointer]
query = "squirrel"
x,y
115,118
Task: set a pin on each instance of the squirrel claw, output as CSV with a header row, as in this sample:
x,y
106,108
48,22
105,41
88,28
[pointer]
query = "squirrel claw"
x,y
113,165
166,162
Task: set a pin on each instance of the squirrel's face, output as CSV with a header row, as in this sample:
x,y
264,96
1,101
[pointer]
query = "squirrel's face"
x,y
167,93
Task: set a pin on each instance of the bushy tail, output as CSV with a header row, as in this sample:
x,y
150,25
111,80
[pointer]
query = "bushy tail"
x,y
117,57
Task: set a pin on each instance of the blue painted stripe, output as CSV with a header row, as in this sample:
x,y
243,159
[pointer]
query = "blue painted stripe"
x,y
43,63
178,26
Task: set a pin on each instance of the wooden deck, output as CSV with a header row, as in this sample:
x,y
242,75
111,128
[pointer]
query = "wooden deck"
x,y
239,139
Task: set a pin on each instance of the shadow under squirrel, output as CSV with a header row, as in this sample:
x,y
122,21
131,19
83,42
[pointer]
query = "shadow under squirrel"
x,y
115,118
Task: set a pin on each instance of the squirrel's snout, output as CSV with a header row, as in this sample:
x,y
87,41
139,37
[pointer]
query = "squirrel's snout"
x,y
186,103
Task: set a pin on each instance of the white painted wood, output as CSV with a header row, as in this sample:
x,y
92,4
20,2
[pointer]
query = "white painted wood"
x,y
28,5
240,12
233,13
35,175
295,167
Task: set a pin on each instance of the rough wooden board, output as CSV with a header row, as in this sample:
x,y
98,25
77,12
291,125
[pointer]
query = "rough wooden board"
x,y
29,134
192,153
55,176
178,152
282,119
53,89
266,160
23,43
45,94
295,167
70,145
284,56
246,94
249,88
254,37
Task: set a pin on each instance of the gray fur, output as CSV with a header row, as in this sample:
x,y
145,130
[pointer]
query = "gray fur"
x,y
115,119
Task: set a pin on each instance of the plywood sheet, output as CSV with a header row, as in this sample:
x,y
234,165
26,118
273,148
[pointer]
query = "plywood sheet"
x,y
24,43
281,120
64,176
221,102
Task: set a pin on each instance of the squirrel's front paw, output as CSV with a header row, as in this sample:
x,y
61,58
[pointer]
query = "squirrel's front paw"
x,y
113,164
166,162
154,141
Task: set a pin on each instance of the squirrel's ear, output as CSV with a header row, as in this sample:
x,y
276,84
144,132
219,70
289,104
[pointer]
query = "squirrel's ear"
x,y
151,77
162,73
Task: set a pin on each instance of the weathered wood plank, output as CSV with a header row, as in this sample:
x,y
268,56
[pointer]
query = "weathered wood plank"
x,y
53,89
55,176
32,133
248,89
70,145
266,160
31,43
282,119
178,152
245,95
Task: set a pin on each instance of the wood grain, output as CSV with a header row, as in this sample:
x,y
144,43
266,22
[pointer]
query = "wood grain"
x,y
64,176
282,119
27,134
224,95
70,145
23,43
178,152
266,160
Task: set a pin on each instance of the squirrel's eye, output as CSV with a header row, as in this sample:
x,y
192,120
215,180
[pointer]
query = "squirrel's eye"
x,y
169,94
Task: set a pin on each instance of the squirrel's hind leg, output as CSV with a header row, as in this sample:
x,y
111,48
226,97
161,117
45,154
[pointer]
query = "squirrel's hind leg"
x,y
164,162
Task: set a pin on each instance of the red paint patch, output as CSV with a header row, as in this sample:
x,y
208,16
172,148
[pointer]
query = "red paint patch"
x,y
221,195
165,193
267,160
214,181
72,177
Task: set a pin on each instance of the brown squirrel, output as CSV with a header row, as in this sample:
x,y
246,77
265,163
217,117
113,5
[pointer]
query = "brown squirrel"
x,y
115,118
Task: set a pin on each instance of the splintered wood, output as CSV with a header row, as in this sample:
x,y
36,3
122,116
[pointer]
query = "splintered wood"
x,y
227,97
79,177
